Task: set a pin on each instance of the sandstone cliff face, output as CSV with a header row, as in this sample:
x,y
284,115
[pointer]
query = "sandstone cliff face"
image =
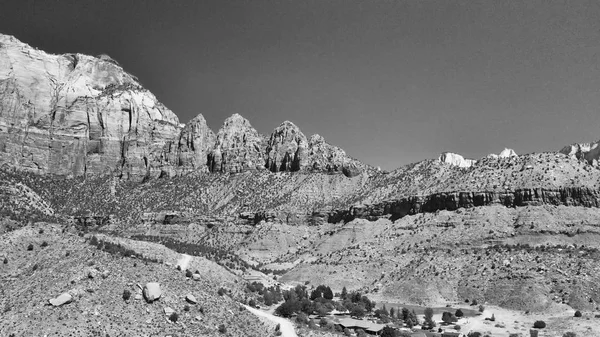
x,y
76,114
238,147
286,149
589,152
195,144
568,196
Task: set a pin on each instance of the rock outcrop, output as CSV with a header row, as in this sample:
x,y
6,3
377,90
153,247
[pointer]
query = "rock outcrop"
x,y
588,152
286,149
75,114
238,147
195,143
575,196
456,160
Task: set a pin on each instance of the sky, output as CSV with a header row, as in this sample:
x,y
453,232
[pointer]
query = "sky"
x,y
390,82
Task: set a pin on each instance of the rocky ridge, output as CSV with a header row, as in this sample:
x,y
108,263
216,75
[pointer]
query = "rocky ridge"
x,y
79,115
588,152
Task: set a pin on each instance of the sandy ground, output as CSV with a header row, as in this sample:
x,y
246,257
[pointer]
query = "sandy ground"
x,y
286,327
558,321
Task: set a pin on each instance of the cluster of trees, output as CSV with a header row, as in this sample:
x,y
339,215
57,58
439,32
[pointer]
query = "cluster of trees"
x,y
267,295
320,301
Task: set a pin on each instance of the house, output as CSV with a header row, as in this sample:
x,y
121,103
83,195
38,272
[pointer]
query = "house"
x,y
369,327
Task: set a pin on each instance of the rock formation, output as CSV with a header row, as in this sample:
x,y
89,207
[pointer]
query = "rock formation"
x,y
456,160
152,291
589,152
74,115
286,149
238,147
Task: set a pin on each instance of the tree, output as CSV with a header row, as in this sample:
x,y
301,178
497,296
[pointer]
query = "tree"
x,y
448,318
385,311
459,313
357,311
539,324
344,293
252,303
174,317
388,331
392,312
428,322
288,308
328,294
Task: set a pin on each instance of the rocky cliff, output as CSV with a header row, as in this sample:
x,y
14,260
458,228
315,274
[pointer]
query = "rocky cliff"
x,y
75,115
588,152
451,201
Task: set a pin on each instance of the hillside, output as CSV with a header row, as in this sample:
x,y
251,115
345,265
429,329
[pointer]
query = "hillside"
x,y
61,261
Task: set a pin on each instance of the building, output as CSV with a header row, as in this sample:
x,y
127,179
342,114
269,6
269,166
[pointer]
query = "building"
x,y
369,327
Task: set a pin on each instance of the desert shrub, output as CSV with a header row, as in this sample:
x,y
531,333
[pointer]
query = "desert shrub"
x,y
35,267
578,313
474,334
481,308
457,327
312,324
5,260
188,273
94,241
174,317
474,302
30,247
569,334
221,292
278,327
347,332
41,231
126,294
302,318
514,335
252,303
186,308
361,333
44,244
459,313
179,267
539,324
222,328
533,333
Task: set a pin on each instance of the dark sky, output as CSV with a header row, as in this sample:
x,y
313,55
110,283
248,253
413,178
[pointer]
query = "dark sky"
x,y
391,82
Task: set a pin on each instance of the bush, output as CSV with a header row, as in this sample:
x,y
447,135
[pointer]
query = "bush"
x,y
533,333
474,302
41,231
222,328
30,247
5,261
188,273
186,308
221,292
569,334
459,313
252,303
457,327
126,294
481,308
474,334
539,324
174,317
578,313
44,244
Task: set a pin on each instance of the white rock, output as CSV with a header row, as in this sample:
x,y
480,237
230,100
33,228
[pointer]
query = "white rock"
x,y
191,299
456,160
62,299
168,311
152,291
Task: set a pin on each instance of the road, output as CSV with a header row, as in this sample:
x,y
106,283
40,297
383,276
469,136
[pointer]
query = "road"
x,y
286,327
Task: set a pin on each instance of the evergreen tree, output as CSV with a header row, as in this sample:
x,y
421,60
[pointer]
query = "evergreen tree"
x,y
392,312
344,293
428,323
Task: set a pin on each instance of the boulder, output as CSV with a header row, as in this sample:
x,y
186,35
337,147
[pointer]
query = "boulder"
x,y
152,291
64,298
168,311
196,277
191,299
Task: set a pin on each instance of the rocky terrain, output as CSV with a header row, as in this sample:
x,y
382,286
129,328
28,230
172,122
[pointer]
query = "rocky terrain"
x,y
61,264
84,147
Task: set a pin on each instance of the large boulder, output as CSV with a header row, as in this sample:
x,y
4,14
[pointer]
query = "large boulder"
x,y
64,298
152,291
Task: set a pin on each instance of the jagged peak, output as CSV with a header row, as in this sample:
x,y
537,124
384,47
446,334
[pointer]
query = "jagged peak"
x,y
456,159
